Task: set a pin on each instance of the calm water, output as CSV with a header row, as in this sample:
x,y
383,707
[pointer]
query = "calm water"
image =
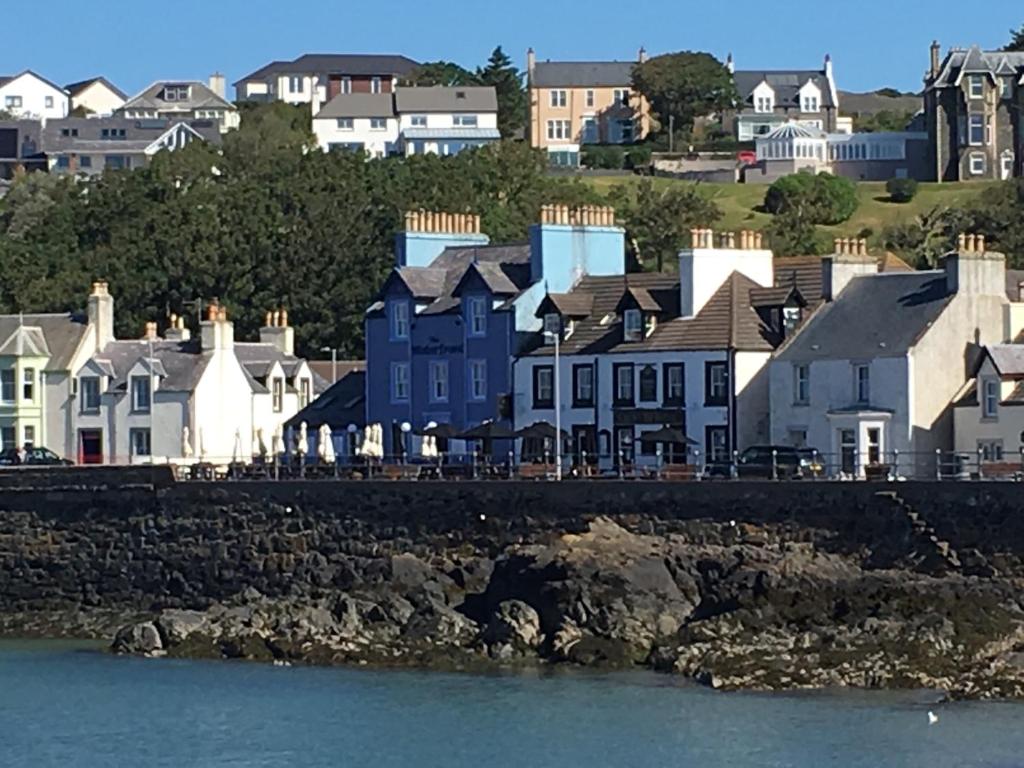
x,y
62,707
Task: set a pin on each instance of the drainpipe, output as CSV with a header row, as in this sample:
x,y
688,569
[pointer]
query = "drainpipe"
x,y
731,410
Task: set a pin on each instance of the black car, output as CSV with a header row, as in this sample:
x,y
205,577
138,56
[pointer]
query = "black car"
x,y
778,462
32,457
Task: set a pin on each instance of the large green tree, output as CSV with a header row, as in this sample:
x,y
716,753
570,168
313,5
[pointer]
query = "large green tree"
x,y
507,81
440,73
1016,40
684,86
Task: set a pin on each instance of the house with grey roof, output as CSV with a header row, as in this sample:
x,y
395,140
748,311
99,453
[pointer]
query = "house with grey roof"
x,y
320,77
988,413
974,100
31,96
770,98
180,398
183,101
96,96
870,379
686,351
439,120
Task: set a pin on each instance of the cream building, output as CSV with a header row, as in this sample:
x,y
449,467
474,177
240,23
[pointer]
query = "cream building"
x,y
97,97
989,413
576,103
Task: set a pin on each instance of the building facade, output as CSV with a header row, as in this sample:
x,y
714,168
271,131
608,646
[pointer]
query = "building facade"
x,y
988,415
771,98
96,97
29,96
442,335
974,103
322,77
577,103
183,101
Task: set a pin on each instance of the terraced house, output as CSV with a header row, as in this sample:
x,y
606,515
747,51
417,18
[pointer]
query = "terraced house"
x,y
974,104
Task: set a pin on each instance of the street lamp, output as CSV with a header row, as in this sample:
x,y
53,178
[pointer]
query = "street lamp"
x,y
558,404
334,362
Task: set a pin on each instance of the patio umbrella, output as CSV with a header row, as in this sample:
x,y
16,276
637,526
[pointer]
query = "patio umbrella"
x,y
443,431
326,445
428,448
236,451
489,430
541,430
202,445
302,448
186,443
277,441
667,435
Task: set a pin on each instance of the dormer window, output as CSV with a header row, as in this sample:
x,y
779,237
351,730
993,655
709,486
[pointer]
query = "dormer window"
x,y
632,325
810,103
790,320
977,86
552,327
477,320
176,92
89,393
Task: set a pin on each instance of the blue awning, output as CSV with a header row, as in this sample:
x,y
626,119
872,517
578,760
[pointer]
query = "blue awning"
x,y
457,134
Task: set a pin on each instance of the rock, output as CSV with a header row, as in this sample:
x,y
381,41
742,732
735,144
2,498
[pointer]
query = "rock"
x,y
141,639
409,572
176,626
515,623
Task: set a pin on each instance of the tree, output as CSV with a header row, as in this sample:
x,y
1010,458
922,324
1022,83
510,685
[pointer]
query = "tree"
x,y
901,190
658,220
999,215
792,233
507,81
818,199
684,86
883,120
923,241
440,73
1016,40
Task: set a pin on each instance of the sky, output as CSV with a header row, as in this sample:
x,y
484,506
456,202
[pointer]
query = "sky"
x,y
874,43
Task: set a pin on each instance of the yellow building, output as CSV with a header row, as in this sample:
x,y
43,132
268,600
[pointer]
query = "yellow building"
x,y
573,103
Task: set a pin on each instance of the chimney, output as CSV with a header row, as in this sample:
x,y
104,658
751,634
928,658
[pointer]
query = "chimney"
x,y
276,331
730,64
642,55
849,259
101,314
428,233
150,332
176,330
315,102
935,53
569,243
828,66
704,267
974,270
531,64
217,84
217,332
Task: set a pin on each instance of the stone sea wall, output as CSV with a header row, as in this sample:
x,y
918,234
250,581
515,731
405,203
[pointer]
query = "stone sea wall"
x,y
737,585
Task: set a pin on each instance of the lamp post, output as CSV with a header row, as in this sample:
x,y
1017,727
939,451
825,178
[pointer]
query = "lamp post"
x,y
558,405
334,362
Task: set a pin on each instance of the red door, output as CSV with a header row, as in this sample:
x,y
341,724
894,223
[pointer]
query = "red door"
x,y
90,446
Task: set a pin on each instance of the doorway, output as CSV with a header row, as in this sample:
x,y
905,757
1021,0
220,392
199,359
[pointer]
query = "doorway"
x,y
848,451
90,446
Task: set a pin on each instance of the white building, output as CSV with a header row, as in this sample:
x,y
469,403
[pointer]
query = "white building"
x,y
871,376
211,398
30,96
183,100
319,77
645,351
96,97
988,417
436,120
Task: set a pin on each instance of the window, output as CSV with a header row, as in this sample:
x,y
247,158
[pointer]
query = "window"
x,y
543,386
85,161
990,399
378,124
874,446
295,84
790,320
990,450
48,102
558,99
552,326
632,325
28,385
465,121
583,386
89,391
559,130
400,382
399,320
345,124
801,384
141,394
976,134
716,444
7,385
346,84
375,84
438,381
796,437
63,161
625,131
1005,87
977,164
176,93
113,133
764,104
977,86
139,440
477,321
810,103
69,132
716,389
848,451
648,384
277,394
478,379
589,99
8,438
621,96
588,130
674,388
862,384
623,375
304,392
418,121
30,435
12,101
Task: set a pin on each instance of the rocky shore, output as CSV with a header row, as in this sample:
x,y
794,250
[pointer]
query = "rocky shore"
x,y
873,594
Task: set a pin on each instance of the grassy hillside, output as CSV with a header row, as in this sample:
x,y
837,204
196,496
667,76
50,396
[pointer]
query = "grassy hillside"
x,y
741,203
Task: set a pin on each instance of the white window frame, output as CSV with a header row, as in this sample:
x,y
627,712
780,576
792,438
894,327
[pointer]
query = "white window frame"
x,y
418,121
675,382
277,394
465,121
625,385
621,97
378,123
295,84
399,320
438,380
8,385
559,130
801,384
400,382
977,163
990,399
140,437
346,84
477,321
632,325
478,380
589,98
345,124
976,86
544,376
142,393
48,102
28,384
976,122
376,84
89,394
558,98
587,385
862,384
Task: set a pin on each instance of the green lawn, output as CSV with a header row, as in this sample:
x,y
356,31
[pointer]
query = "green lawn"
x,y
739,203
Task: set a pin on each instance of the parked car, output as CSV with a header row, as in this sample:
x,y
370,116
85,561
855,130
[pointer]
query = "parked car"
x,y
780,462
746,157
32,457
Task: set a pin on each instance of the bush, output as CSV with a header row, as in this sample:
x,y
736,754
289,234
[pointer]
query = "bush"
x,y
638,157
604,157
822,199
901,190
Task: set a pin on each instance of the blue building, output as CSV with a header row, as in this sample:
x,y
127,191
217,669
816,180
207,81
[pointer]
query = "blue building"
x,y
442,336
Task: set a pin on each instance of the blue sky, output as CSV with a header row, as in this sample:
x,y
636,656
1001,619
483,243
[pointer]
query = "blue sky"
x,y
874,43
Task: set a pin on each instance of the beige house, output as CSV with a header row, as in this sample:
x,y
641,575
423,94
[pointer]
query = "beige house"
x,y
573,103
988,417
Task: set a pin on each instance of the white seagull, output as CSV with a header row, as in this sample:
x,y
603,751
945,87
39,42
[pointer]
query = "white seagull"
x,y
933,719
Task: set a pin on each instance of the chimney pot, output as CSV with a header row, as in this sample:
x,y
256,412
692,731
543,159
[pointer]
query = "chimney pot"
x,y
211,312
758,238
971,243
961,242
980,243
284,317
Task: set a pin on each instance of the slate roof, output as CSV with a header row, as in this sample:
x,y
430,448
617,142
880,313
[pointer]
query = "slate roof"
x,y
582,74
343,403
804,272
322,368
1007,358
61,333
182,361
354,64
75,88
139,134
727,321
6,80
1014,281
785,83
257,359
973,60
200,97
359,105
446,99
890,312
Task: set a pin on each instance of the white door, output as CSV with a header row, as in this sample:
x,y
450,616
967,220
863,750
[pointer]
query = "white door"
x,y
1006,167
